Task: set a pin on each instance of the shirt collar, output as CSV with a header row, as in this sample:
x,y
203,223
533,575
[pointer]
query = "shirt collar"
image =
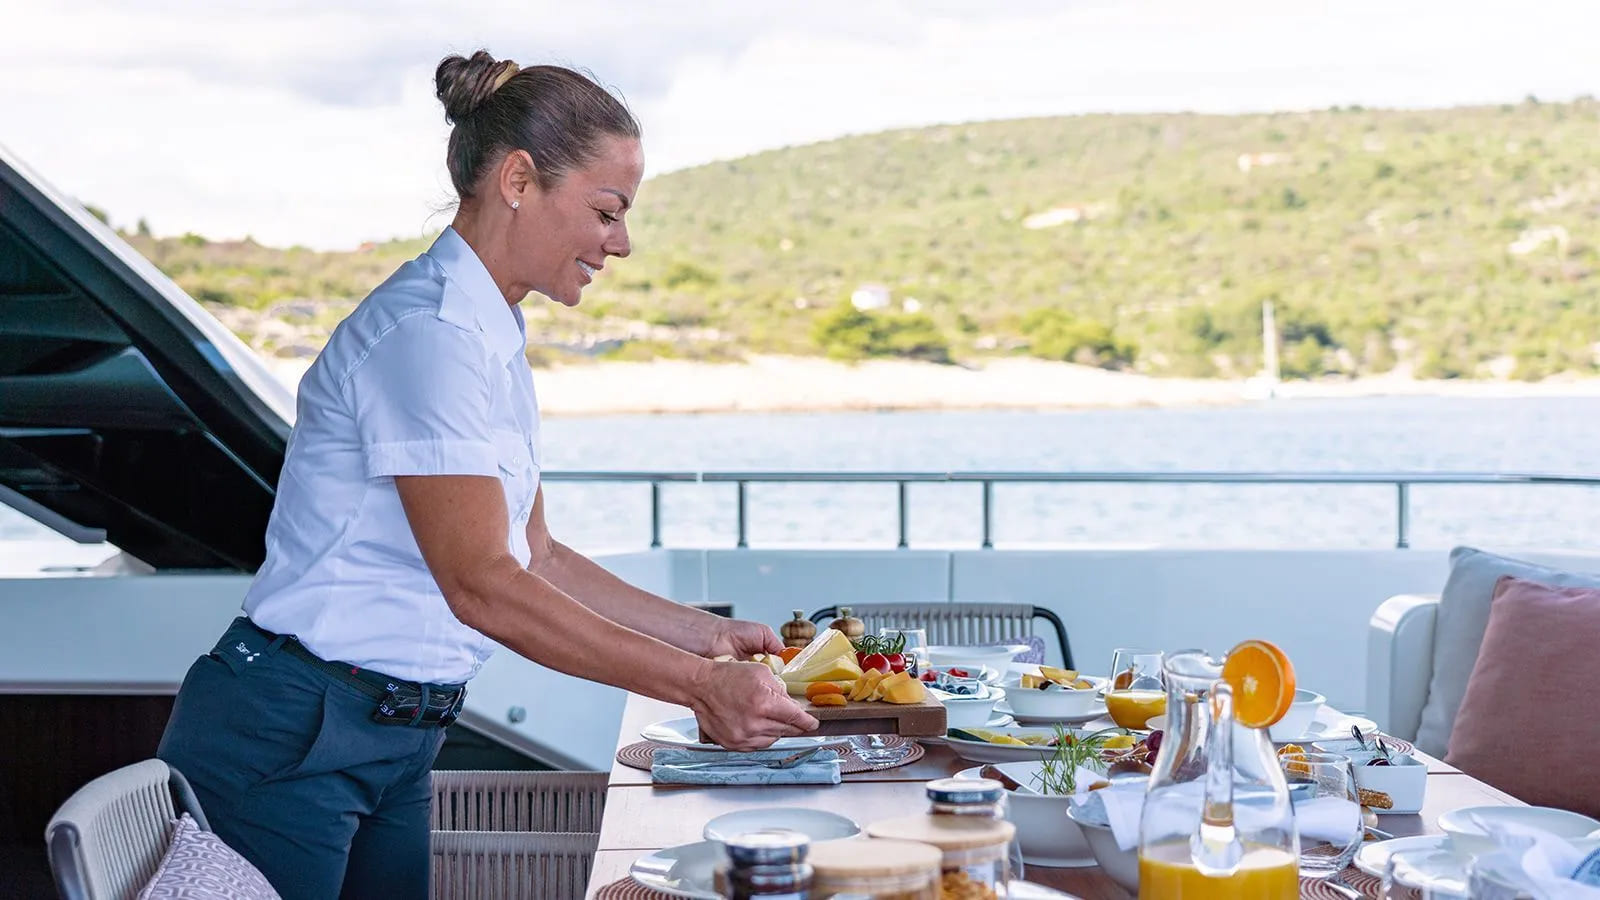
x,y
500,322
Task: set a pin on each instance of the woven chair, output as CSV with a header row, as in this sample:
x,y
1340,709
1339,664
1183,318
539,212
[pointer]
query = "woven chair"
x,y
105,841
957,623
503,865
518,801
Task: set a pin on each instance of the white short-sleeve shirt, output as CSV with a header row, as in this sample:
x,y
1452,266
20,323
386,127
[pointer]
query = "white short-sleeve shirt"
x,y
426,377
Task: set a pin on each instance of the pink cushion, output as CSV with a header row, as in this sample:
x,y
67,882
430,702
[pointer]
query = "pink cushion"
x,y
1527,723
199,866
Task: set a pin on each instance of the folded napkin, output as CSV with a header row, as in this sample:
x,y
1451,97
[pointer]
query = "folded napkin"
x,y
672,765
1539,862
1119,806
1332,820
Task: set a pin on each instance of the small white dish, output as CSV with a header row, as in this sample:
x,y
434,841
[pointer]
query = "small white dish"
x,y
1325,730
685,732
687,871
1156,723
1045,840
1465,827
1095,712
964,711
1405,780
1438,869
978,674
1298,720
993,656
816,824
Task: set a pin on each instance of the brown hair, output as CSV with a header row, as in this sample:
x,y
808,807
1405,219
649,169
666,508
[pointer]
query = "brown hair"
x,y
557,115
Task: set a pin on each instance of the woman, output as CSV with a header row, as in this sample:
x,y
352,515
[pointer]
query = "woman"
x,y
409,526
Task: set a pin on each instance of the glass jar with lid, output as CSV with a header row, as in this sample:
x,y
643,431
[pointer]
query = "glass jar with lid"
x,y
965,821
770,865
874,869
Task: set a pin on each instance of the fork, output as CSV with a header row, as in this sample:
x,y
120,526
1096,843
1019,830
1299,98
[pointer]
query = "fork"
x,y
787,762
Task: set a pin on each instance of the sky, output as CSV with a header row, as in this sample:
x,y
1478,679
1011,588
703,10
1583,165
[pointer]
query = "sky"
x,y
313,122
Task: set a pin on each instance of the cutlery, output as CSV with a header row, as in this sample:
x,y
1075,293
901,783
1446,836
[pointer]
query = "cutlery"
x,y
787,762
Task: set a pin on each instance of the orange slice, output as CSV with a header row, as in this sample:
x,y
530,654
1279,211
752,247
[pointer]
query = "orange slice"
x,y
1262,679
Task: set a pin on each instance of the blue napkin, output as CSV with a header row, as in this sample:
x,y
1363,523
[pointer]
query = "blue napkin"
x,y
735,768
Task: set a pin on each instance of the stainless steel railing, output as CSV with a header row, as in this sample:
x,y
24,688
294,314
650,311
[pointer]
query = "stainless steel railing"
x,y
1402,482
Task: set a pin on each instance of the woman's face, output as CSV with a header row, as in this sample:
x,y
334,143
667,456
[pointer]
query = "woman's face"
x,y
563,236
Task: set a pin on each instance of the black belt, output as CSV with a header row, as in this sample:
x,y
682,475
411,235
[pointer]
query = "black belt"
x,y
399,702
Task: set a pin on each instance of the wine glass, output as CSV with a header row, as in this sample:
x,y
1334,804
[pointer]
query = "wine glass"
x,y
1327,811
916,649
1135,692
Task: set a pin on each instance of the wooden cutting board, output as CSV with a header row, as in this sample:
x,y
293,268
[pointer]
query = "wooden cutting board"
x,y
925,718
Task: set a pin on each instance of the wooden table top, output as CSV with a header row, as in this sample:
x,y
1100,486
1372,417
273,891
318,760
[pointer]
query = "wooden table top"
x,y
641,817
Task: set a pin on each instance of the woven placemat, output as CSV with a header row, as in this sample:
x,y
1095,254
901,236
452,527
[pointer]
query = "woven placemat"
x,y
628,889
637,756
1318,889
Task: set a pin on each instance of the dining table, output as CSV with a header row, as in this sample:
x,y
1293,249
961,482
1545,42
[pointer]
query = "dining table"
x,y
641,817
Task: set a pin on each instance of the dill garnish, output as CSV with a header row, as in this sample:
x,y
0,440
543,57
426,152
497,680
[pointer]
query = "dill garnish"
x,y
1059,773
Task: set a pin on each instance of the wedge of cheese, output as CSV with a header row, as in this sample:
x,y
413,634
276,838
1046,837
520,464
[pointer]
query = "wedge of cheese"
x,y
829,657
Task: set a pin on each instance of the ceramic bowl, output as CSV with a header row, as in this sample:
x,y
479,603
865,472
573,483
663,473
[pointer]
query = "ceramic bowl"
x,y
971,712
1054,702
1121,865
1047,837
995,656
1405,780
1297,722
1466,826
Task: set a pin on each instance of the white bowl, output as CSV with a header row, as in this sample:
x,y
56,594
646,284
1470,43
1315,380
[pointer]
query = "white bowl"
x,y
1121,865
970,712
1048,839
1297,721
1405,780
1468,839
1054,702
995,656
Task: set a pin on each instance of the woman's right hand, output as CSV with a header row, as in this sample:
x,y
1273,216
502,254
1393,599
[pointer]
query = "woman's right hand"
x,y
743,706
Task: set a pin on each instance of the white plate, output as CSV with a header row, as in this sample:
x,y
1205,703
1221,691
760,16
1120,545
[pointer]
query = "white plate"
x,y
1325,731
1096,711
817,824
998,720
985,752
685,732
1441,870
686,871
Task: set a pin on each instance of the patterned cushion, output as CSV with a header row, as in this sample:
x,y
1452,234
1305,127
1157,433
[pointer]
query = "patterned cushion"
x,y
1035,651
199,866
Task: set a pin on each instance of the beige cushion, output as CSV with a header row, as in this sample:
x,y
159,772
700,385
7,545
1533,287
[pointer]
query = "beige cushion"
x,y
1525,724
199,866
1463,615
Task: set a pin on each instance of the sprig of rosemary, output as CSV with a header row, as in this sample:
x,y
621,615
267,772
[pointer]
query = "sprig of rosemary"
x,y
1059,773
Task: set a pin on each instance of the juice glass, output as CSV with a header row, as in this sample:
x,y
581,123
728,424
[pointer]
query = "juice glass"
x,y
1134,691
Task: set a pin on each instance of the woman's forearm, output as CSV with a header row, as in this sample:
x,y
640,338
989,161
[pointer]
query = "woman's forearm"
x,y
536,618
590,584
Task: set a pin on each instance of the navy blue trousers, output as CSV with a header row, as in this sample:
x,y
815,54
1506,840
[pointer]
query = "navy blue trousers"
x,y
295,775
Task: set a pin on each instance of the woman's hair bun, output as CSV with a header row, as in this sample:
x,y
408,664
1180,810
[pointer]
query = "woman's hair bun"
x,y
464,84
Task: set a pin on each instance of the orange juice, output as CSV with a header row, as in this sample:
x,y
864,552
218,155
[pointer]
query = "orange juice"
x,y
1265,873
1130,709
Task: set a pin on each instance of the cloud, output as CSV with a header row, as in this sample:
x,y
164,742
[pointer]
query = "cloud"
x,y
313,121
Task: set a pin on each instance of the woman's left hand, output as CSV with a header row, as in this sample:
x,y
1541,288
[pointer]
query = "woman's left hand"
x,y
741,639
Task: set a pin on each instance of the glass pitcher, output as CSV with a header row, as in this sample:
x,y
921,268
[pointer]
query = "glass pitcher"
x,y
1217,820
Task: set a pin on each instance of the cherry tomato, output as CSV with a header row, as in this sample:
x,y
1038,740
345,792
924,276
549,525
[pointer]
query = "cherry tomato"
x,y
929,677
860,658
897,662
875,661
959,673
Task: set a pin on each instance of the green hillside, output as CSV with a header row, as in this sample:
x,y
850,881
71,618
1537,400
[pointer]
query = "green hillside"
x,y
1457,242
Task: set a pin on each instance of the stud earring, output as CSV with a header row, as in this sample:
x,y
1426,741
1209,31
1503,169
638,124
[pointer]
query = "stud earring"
x,y
515,204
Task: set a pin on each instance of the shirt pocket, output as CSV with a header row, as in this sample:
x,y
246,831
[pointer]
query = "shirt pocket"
x,y
516,472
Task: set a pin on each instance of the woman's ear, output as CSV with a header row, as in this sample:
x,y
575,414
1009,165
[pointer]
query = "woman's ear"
x,y
519,178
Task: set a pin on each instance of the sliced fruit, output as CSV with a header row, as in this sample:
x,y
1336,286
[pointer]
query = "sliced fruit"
x,y
798,688
789,653
1059,676
1262,679
902,688
1032,682
828,700
1118,742
821,688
